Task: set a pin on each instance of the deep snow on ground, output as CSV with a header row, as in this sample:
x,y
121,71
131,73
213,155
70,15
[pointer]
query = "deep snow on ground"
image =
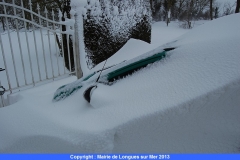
x,y
187,103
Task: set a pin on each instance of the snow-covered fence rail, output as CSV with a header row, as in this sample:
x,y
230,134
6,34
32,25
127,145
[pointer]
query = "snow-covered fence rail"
x,y
33,51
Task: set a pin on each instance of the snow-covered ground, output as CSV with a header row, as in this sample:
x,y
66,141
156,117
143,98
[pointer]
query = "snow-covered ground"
x,y
187,103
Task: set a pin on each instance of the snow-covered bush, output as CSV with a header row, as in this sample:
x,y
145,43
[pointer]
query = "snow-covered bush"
x,y
108,25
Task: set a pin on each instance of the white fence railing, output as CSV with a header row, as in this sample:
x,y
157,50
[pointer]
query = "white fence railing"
x,y
32,47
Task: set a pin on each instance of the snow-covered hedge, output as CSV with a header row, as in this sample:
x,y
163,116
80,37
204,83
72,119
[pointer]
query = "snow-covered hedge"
x,y
108,25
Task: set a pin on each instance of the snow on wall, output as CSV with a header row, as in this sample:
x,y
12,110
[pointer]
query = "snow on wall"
x,y
206,124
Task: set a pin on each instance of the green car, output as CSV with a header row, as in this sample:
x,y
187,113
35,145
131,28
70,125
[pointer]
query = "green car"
x,y
108,75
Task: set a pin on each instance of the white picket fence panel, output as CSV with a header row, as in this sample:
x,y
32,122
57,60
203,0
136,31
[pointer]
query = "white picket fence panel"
x,y
32,56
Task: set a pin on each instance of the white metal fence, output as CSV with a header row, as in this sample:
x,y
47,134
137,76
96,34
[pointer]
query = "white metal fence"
x,y
32,49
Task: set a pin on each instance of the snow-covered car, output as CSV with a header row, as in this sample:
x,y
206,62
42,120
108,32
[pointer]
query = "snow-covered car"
x,y
110,74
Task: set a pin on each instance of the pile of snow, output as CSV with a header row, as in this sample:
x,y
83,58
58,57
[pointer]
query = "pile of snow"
x,y
187,103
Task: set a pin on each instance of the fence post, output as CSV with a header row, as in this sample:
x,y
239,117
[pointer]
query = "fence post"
x,y
78,68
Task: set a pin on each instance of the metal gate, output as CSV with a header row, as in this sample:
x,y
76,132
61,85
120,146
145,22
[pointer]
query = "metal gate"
x,y
31,47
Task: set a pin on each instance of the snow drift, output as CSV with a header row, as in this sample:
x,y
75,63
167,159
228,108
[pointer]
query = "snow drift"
x,y
187,103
